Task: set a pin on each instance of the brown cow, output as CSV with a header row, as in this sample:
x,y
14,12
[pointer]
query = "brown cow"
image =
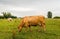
x,y
29,21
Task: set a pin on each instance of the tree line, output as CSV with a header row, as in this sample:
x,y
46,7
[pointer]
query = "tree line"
x,y
7,15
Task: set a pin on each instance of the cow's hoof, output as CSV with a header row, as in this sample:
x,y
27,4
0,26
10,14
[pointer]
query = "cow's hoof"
x,y
39,30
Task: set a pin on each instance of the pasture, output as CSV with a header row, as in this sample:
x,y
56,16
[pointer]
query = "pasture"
x,y
7,30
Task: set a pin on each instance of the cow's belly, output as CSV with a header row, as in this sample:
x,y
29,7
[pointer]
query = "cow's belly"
x,y
33,23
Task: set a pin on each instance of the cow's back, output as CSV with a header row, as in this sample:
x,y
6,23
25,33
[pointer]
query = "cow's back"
x,y
33,20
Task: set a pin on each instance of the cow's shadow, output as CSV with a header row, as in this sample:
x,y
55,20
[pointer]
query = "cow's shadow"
x,y
49,33
41,32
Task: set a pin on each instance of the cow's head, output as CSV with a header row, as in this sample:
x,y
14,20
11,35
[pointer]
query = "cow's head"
x,y
19,28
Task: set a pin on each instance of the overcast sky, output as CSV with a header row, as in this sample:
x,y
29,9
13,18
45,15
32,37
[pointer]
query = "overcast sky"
x,y
30,7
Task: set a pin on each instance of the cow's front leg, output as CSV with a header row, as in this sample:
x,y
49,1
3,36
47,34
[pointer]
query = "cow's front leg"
x,y
26,27
39,24
43,26
30,28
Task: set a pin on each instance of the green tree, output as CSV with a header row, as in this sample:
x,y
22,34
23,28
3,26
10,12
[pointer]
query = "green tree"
x,y
49,15
6,14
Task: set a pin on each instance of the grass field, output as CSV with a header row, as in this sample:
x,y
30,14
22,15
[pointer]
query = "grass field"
x,y
7,28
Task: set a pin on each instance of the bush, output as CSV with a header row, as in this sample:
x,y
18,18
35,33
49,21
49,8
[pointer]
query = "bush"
x,y
8,15
1,17
57,17
13,16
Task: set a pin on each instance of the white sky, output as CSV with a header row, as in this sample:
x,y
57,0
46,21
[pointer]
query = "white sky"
x,y
30,7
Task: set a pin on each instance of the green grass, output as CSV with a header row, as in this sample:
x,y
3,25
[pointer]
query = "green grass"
x,y
52,30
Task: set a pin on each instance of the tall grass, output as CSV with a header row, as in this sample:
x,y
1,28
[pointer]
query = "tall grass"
x,y
7,30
